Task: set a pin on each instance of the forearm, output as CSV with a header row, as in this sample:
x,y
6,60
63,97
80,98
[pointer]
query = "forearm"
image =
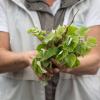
x,y
11,62
89,64
89,60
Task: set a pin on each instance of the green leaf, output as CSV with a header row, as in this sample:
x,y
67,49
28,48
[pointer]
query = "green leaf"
x,y
59,32
60,56
40,67
36,65
41,46
38,33
45,63
82,31
77,63
49,53
81,49
65,44
72,29
91,42
49,38
70,60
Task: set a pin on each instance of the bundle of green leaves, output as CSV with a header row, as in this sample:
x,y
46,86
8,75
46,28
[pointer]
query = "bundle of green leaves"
x,y
65,45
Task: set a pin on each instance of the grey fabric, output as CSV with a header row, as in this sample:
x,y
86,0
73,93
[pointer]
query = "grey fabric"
x,y
12,89
68,3
46,20
38,4
49,22
50,89
59,18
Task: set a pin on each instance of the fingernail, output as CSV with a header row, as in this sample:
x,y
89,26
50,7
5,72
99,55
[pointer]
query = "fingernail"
x,y
35,52
56,70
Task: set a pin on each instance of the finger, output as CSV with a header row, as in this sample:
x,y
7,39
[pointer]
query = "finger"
x,y
33,54
56,70
43,77
85,70
49,73
30,61
56,64
49,70
67,70
70,71
77,71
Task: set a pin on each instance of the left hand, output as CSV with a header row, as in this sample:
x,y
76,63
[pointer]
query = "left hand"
x,y
81,70
90,70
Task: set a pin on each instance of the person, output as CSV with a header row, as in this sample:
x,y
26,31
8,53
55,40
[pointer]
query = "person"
x,y
17,49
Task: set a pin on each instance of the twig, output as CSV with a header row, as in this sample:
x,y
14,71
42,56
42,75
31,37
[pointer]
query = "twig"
x,y
66,31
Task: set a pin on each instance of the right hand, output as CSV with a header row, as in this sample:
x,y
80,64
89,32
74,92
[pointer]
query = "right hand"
x,y
50,72
28,56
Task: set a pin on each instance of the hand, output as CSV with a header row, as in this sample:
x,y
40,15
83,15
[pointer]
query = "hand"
x,y
28,56
50,73
80,70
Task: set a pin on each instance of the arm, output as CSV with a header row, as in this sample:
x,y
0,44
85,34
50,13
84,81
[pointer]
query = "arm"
x,y
10,61
90,63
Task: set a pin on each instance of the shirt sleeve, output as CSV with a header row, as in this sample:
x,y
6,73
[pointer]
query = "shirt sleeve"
x,y
3,20
93,16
